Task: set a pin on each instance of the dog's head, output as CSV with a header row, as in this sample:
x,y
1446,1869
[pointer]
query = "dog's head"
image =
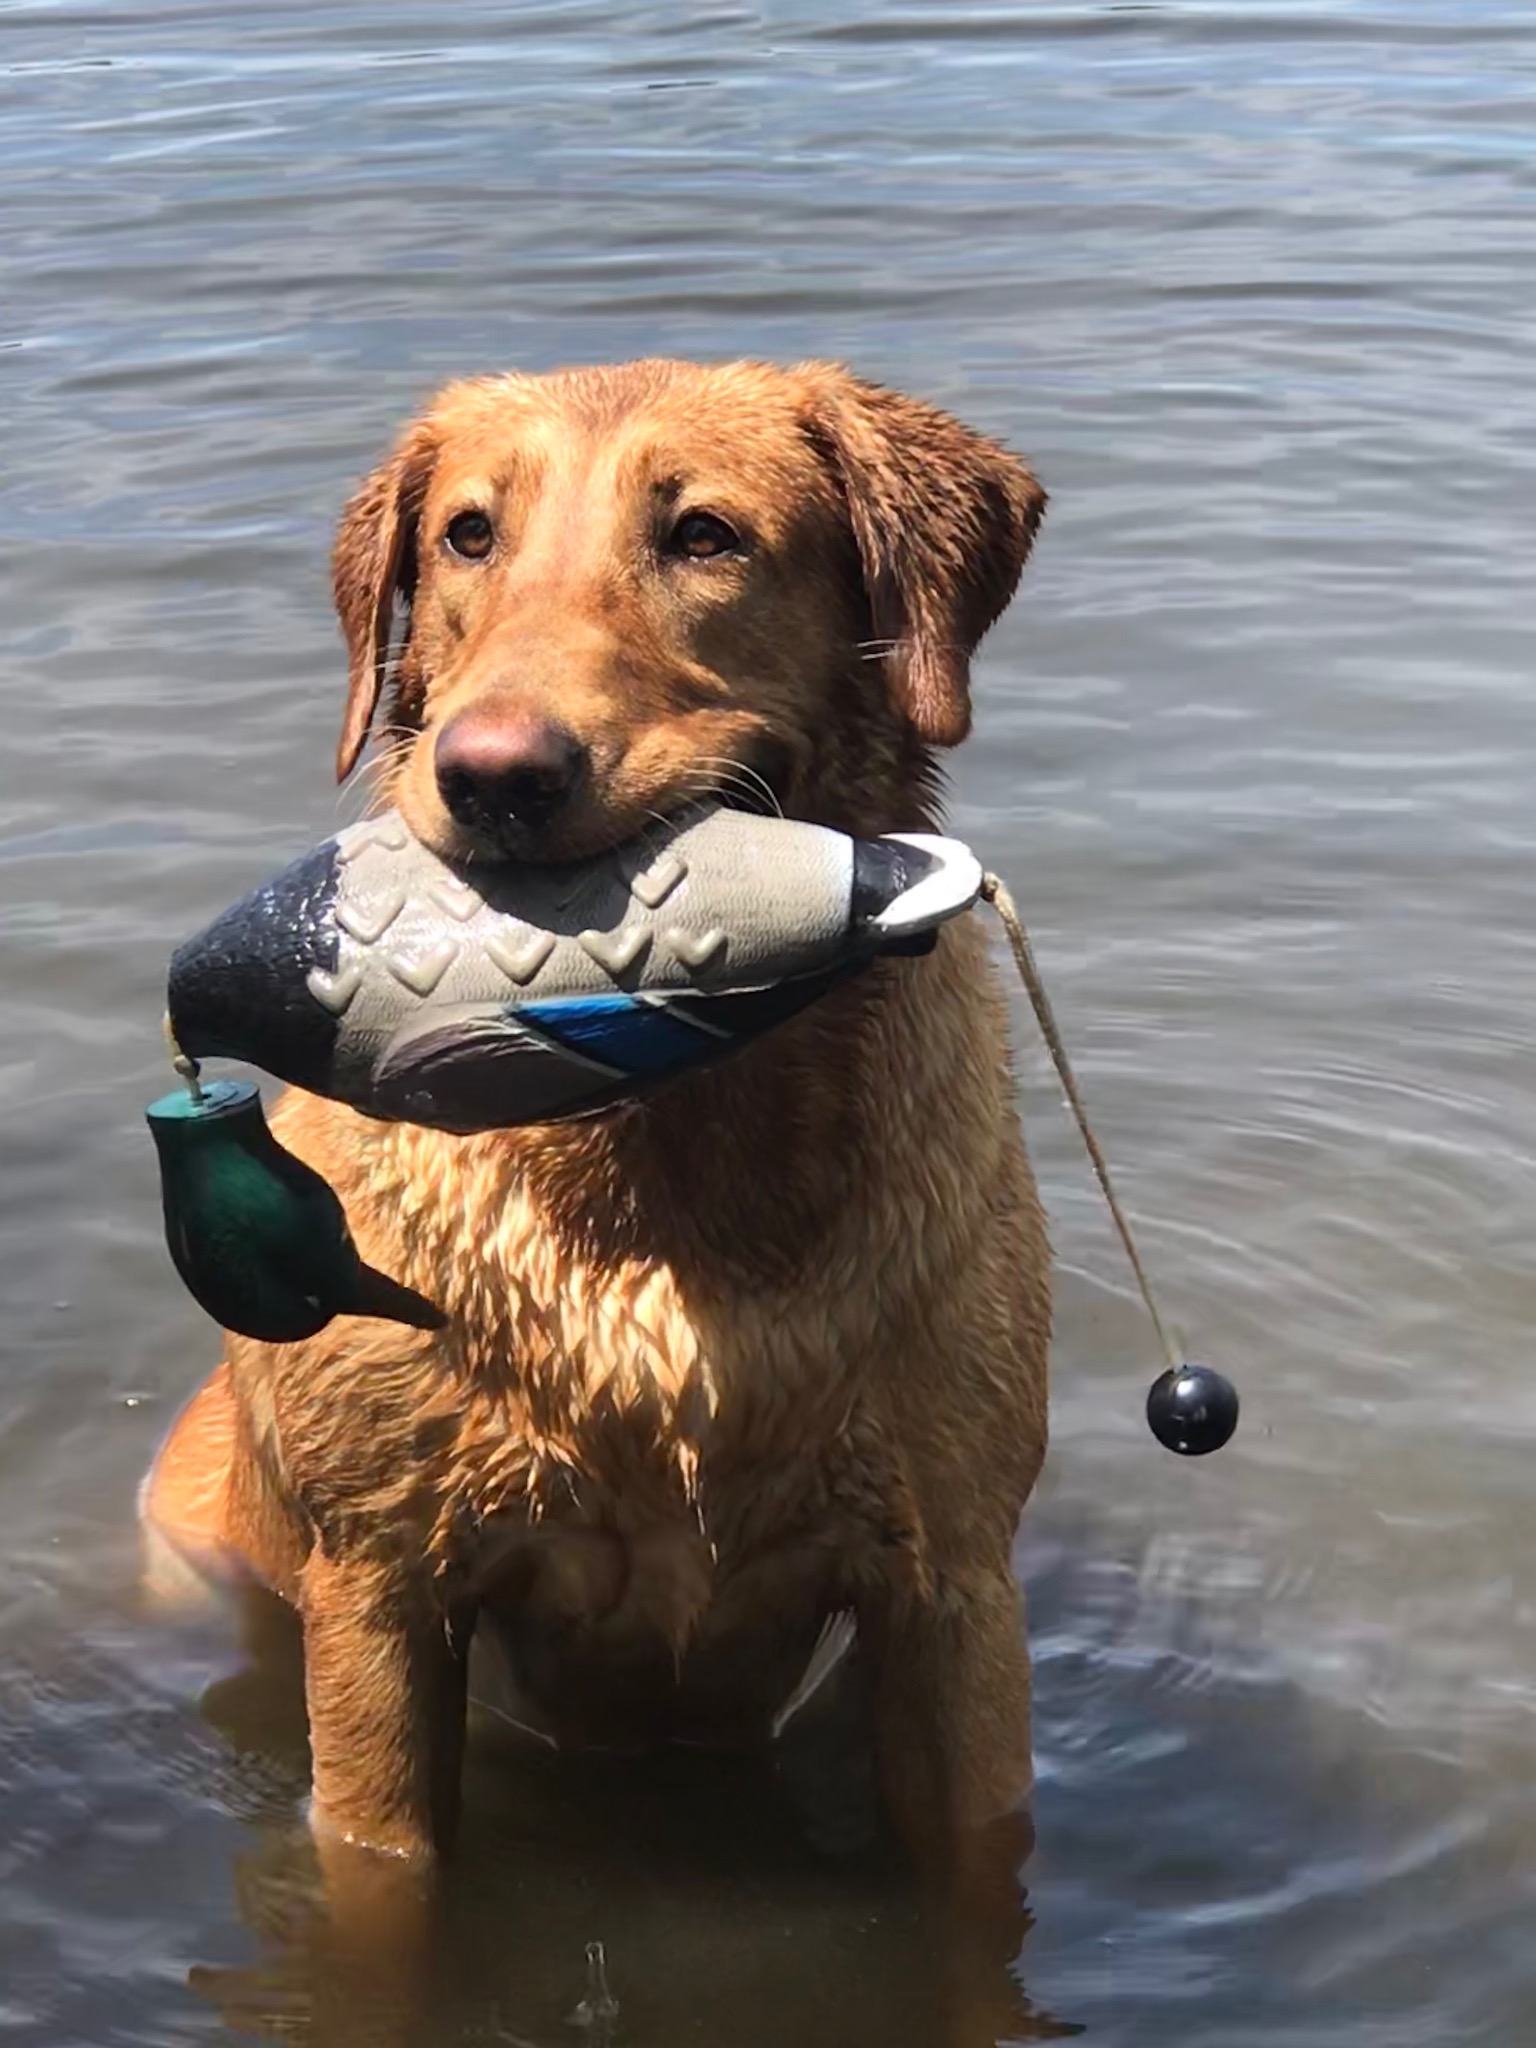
x,y
628,588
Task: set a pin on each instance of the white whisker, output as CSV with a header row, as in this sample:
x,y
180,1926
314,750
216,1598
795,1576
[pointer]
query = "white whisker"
x,y
370,784
717,774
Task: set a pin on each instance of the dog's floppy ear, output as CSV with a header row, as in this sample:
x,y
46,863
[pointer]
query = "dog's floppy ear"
x,y
943,518
374,559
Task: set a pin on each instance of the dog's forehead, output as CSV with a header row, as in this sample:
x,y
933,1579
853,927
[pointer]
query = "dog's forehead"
x,y
640,422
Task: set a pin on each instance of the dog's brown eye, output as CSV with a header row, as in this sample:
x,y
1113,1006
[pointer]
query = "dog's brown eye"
x,y
700,536
471,535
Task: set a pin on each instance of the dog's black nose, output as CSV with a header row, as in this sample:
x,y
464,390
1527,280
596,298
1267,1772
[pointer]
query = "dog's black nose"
x,y
495,768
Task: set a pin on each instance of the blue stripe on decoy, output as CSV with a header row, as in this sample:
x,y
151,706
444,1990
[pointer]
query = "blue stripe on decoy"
x,y
747,1013
638,1038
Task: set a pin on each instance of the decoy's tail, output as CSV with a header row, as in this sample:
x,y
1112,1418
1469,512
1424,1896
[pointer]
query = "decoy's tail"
x,y
378,1295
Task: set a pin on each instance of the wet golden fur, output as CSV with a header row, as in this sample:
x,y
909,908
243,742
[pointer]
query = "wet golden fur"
x,y
772,1345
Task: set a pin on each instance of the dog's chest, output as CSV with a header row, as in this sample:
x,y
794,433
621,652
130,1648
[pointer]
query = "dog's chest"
x,y
629,1360
666,1565
633,1440
639,1452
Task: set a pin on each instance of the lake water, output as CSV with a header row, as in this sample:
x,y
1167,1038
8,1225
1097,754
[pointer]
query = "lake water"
x,y
1255,288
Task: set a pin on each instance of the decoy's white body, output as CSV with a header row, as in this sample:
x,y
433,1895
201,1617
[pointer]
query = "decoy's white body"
x,y
473,998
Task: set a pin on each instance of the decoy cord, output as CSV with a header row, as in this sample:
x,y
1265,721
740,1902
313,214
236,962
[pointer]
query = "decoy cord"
x,y
995,891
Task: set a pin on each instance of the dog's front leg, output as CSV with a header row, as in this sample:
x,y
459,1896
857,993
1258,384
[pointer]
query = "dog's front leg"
x,y
951,1705
952,1711
384,1680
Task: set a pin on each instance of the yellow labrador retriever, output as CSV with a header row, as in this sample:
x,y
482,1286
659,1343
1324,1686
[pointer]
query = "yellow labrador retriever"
x,y
770,1348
